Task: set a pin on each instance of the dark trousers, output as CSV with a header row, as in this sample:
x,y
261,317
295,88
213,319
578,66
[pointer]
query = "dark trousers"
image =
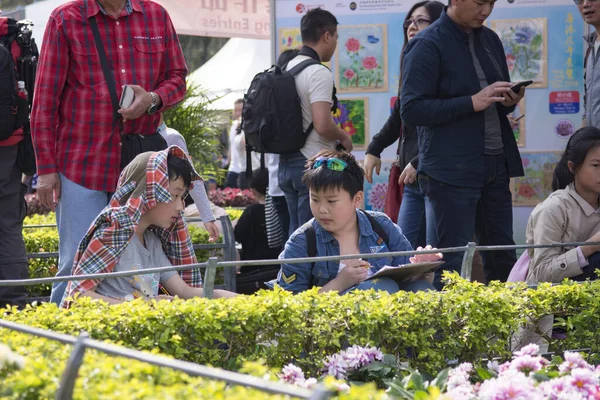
x,y
282,212
463,212
13,261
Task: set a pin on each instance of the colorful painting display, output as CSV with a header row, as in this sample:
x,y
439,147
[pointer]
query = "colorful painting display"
x,y
376,192
290,39
352,116
526,46
517,122
361,59
536,185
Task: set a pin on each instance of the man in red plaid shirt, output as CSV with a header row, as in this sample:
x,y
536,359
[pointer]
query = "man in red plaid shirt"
x,y
78,147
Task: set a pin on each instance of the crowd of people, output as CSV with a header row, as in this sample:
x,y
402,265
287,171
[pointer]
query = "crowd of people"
x,y
118,177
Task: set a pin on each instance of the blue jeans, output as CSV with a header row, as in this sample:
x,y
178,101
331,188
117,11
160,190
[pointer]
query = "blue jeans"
x,y
391,286
75,212
461,212
416,218
291,169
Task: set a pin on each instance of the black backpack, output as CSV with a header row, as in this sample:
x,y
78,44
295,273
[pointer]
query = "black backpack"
x,y
14,110
272,114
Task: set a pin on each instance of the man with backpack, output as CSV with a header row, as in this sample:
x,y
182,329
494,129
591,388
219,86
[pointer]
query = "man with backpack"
x,y
298,124
14,114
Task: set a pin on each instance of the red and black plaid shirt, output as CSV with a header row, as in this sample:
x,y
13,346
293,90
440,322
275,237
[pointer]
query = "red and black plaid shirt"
x,y
72,117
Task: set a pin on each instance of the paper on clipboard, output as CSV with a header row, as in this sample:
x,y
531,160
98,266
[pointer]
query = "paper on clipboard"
x,y
406,271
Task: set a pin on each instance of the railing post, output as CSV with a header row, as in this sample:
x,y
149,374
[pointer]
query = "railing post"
x,y
209,278
229,253
67,382
466,268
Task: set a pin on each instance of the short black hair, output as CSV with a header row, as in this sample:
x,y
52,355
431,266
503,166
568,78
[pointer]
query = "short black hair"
x,y
315,23
180,167
286,56
260,181
351,179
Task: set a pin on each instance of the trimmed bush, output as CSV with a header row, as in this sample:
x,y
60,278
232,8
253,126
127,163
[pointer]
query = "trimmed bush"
x,y
105,377
467,322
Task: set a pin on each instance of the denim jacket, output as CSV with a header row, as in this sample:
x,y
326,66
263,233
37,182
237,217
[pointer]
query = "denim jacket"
x,y
298,277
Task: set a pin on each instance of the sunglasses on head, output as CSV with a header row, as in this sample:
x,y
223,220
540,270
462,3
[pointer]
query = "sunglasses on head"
x,y
333,164
580,2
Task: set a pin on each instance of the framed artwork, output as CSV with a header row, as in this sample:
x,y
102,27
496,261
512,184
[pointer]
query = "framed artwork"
x,y
376,192
361,59
352,116
536,185
525,43
517,122
289,39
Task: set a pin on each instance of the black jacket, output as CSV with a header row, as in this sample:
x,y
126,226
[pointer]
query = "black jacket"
x,y
438,81
408,148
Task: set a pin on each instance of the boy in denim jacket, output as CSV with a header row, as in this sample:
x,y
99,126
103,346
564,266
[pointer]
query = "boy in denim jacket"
x,y
335,181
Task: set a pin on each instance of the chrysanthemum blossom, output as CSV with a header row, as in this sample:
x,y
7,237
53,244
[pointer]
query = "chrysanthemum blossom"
x,y
513,385
336,366
526,364
584,381
573,360
292,374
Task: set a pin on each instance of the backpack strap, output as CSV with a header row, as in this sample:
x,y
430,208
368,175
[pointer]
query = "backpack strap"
x,y
295,71
377,228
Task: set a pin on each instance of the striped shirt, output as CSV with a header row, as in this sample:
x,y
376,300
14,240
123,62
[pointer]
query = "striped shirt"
x,y
72,117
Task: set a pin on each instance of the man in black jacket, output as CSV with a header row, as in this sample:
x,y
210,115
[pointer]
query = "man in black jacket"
x,y
456,89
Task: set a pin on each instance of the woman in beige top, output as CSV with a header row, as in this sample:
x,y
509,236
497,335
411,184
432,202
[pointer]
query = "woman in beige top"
x,y
570,214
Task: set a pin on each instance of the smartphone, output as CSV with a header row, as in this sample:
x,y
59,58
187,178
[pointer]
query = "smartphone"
x,y
519,85
127,97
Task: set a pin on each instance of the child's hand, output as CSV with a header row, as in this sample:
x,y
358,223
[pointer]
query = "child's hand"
x,y
353,273
164,297
419,258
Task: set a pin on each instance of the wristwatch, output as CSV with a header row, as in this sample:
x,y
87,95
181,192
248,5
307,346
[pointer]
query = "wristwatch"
x,y
154,106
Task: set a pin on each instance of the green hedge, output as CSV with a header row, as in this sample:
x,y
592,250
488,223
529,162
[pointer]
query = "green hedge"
x,y
41,240
105,377
467,322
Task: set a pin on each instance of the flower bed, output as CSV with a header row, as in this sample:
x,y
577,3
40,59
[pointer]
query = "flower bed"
x,y
230,197
468,322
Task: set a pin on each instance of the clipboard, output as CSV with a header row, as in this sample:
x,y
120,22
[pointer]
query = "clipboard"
x,y
406,271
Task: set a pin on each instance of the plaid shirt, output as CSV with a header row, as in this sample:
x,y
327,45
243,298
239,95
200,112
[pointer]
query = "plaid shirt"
x,y
111,232
72,118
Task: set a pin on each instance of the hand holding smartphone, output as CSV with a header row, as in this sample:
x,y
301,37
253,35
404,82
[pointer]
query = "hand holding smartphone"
x,y
517,88
127,97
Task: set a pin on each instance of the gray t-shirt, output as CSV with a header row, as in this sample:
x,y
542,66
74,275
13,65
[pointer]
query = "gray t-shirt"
x,y
493,130
136,257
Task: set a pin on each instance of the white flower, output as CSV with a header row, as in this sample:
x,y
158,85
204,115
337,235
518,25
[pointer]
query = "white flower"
x,y
292,374
529,350
9,358
336,365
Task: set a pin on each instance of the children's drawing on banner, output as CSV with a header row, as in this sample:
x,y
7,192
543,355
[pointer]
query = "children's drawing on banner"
x,y
361,59
517,122
376,192
525,43
352,116
289,39
536,185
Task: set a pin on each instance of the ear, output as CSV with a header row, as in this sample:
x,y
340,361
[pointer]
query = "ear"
x,y
571,167
358,199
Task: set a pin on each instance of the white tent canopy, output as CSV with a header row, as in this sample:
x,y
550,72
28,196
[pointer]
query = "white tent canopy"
x,y
228,74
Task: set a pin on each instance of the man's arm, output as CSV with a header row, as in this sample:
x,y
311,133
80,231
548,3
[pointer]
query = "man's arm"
x,y
49,84
421,74
172,88
177,287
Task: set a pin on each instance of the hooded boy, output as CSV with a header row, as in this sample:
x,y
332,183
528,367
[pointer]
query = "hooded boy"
x,y
142,227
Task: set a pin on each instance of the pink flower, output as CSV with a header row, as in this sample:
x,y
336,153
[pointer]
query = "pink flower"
x,y
369,63
349,74
353,45
526,364
459,376
336,366
292,374
584,381
573,360
309,383
377,196
513,385
531,350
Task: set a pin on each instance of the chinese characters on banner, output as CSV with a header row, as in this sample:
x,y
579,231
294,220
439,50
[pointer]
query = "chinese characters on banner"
x,y
565,78
221,18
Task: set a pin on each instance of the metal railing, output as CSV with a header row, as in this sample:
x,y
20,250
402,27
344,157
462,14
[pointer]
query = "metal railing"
x,y
83,342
